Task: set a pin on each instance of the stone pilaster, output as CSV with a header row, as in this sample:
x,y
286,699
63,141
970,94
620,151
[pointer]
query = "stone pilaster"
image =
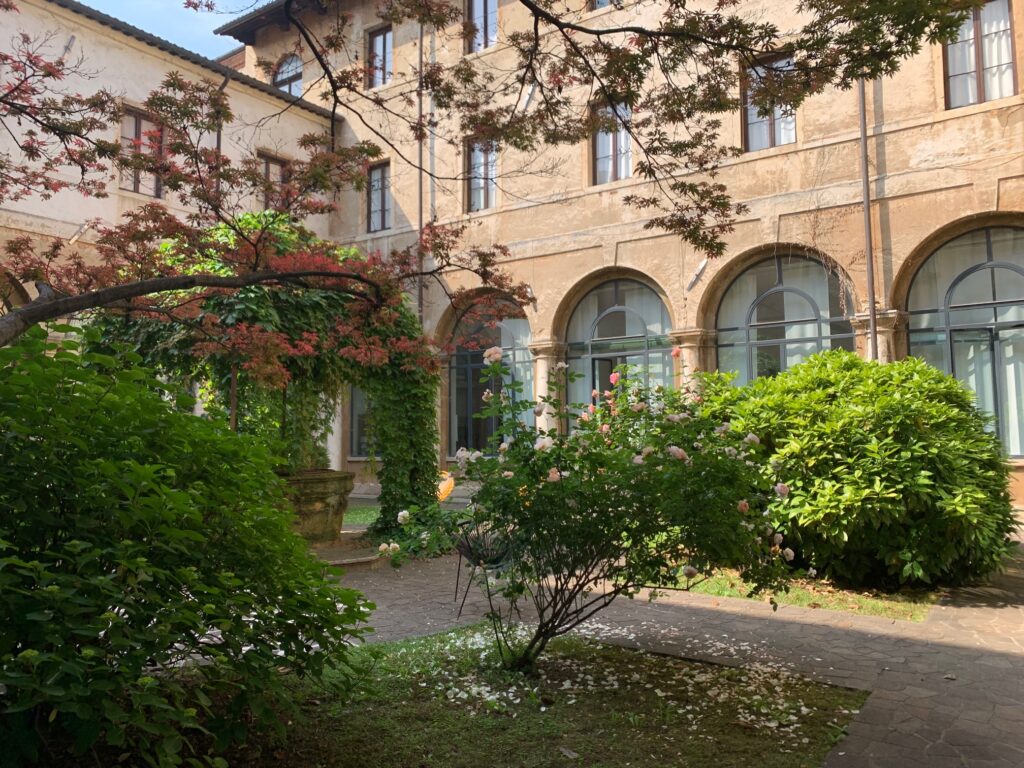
x,y
697,347
546,355
891,326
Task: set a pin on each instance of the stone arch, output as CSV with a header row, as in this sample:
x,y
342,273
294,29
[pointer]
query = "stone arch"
x,y
899,292
583,286
707,309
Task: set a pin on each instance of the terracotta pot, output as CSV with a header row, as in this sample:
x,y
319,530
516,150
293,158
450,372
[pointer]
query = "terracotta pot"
x,y
320,498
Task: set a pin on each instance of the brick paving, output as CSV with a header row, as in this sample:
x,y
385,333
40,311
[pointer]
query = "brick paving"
x,y
945,692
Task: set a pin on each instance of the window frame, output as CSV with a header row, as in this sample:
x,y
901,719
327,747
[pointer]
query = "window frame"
x,y
979,61
385,194
269,159
744,106
285,85
469,16
616,149
490,181
388,33
139,116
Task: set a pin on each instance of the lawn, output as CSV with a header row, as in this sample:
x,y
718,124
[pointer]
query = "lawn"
x,y
443,701
907,605
361,514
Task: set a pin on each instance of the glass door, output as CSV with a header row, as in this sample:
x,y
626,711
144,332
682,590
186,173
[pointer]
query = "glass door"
x,y
1009,343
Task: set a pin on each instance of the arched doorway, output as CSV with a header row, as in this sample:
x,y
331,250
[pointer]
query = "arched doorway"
x,y
966,317
620,322
780,311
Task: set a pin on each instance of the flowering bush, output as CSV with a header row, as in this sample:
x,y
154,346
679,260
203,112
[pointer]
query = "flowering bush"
x,y
643,490
894,477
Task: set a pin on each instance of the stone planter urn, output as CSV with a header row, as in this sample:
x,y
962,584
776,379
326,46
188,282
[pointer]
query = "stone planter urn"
x,y
320,498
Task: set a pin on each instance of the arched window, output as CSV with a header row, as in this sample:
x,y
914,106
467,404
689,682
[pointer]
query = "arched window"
x,y
621,322
465,389
779,312
966,308
288,76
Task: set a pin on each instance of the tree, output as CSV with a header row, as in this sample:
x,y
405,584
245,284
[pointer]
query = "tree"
x,y
53,131
666,76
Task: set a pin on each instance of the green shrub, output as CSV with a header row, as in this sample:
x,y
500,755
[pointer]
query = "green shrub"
x,y
892,474
152,593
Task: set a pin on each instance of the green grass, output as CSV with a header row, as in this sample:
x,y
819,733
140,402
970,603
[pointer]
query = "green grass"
x,y
443,701
907,605
363,514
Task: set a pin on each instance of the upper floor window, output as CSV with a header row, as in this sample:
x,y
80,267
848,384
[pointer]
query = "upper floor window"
x,y
764,130
613,154
483,15
481,172
979,65
596,4
379,48
140,134
288,76
378,194
275,172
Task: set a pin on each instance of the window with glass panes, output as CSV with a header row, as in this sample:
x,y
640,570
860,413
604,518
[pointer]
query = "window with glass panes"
x,y
620,322
288,76
979,64
483,14
966,317
764,130
379,48
378,198
465,370
481,172
140,134
779,312
275,171
612,146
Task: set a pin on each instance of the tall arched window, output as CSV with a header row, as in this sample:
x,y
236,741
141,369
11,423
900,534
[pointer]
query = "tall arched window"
x,y
288,76
621,322
780,311
465,388
966,308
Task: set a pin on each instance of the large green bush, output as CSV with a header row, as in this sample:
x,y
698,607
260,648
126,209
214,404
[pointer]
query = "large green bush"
x,y
893,477
152,594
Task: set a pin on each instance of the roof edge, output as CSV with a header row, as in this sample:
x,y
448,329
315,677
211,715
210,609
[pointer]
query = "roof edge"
x,y
159,43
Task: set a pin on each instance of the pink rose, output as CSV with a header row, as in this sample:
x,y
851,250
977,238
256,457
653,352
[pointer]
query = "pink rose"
x,y
743,506
782,490
591,408
676,352
554,475
677,453
614,378
606,428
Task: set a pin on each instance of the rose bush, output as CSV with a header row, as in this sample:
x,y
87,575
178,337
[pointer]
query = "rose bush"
x,y
642,490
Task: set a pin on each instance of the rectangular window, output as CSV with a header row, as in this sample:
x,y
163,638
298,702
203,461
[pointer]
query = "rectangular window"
x,y
275,172
483,14
612,146
979,64
775,129
481,175
597,4
379,49
140,134
360,438
378,198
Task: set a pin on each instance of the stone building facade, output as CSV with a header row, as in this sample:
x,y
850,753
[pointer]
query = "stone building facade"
x,y
945,156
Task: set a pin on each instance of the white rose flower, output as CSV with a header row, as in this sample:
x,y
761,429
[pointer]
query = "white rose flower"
x,y
393,548
544,443
383,549
788,554
493,355
403,517
777,540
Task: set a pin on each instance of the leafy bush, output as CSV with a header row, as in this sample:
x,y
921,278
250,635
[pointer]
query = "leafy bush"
x,y
151,590
894,478
643,491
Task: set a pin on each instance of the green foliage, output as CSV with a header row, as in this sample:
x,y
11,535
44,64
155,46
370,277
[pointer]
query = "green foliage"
x,y
642,489
151,590
295,422
893,477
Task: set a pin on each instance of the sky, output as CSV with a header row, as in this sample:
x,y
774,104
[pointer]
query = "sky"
x,y
170,20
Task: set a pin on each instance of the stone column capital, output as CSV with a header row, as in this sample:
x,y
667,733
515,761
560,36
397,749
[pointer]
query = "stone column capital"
x,y
693,337
548,348
886,320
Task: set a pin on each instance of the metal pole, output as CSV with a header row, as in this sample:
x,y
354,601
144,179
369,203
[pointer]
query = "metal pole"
x,y
869,252
419,178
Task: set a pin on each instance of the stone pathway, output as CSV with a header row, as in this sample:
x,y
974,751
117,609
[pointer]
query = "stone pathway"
x,y
945,693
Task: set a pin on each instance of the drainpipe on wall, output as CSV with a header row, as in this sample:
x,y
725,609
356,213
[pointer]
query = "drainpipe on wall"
x,y
869,252
419,178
